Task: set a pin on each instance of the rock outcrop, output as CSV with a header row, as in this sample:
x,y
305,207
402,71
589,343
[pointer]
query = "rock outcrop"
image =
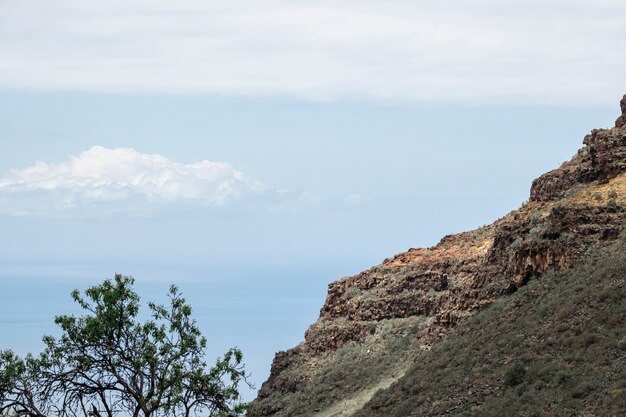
x,y
383,319
621,121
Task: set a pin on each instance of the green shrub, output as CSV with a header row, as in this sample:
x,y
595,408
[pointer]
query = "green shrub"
x,y
515,374
352,292
517,243
582,389
562,376
534,219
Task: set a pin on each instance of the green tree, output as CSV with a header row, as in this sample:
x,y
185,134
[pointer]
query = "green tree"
x,y
107,363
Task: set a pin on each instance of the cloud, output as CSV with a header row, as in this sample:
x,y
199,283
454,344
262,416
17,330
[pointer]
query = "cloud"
x,y
103,181
457,51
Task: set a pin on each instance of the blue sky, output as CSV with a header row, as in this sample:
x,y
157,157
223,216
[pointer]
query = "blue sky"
x,y
255,153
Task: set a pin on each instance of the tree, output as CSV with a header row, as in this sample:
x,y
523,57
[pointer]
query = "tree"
x,y
106,363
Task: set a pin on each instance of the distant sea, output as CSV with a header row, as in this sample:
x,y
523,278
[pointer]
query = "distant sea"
x,y
260,309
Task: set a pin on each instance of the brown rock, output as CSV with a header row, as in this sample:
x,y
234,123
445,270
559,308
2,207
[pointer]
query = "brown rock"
x,y
602,158
621,121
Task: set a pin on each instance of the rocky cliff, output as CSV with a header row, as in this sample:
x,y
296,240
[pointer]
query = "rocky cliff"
x,y
377,325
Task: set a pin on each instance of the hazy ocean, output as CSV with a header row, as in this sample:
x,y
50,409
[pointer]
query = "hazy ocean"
x,y
259,309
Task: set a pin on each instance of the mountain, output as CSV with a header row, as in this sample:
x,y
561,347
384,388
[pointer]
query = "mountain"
x,y
523,317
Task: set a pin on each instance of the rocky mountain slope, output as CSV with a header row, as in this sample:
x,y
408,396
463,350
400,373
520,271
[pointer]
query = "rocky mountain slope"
x,y
381,329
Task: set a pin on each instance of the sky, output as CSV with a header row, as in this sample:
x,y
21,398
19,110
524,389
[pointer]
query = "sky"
x,y
253,152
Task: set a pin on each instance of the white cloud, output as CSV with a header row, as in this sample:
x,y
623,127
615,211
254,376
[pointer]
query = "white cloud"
x,y
102,181
459,51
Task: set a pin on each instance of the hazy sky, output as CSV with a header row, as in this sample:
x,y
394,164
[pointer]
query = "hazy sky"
x,y
275,146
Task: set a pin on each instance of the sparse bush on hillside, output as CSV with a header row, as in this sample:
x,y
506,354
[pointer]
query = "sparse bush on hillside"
x,y
352,292
534,219
536,231
562,377
517,243
566,238
514,375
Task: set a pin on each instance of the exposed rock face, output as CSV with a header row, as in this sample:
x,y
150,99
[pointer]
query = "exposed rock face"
x,y
602,158
621,121
391,313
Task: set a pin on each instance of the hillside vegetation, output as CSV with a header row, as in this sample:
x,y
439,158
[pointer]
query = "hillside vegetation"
x,y
556,347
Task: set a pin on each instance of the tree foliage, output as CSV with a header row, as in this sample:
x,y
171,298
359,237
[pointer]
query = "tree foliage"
x,y
106,362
